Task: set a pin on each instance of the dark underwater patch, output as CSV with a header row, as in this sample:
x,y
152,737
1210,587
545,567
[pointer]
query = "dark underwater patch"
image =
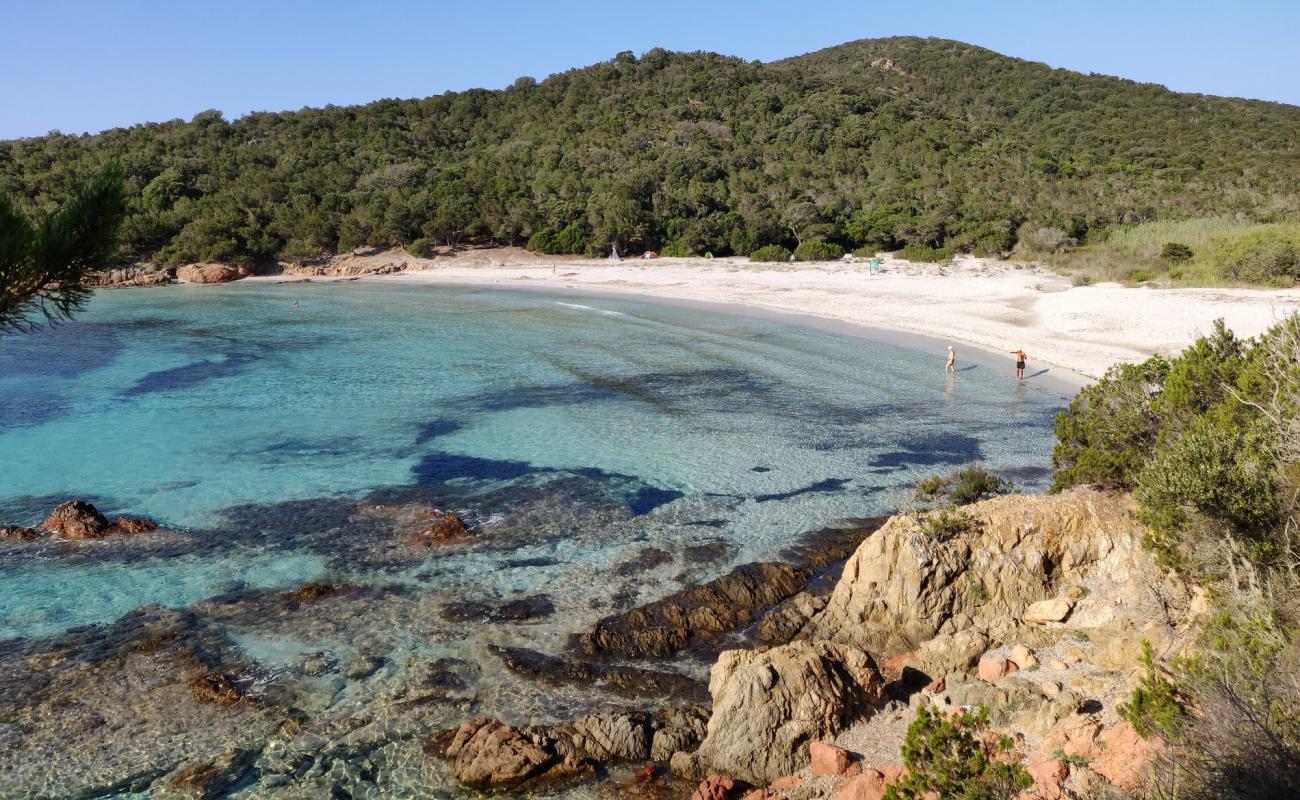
x,y
189,375
32,408
435,428
438,468
944,449
62,351
648,498
828,485
289,450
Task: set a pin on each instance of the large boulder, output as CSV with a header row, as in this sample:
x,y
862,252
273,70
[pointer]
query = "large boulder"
x,y
210,272
904,587
488,754
770,705
77,519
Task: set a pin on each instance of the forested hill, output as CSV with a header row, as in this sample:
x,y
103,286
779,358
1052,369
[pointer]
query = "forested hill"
x,y
878,143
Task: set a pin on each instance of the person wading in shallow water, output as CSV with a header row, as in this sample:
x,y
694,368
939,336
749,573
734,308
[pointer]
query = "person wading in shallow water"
x,y
1020,364
951,366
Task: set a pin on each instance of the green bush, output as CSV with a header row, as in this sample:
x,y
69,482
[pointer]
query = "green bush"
x,y
1267,255
422,248
1176,252
772,252
1109,429
866,252
1141,276
947,523
817,250
570,239
1215,472
926,254
954,758
963,485
1155,708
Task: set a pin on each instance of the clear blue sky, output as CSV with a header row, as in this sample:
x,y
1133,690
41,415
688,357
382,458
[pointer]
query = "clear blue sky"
x,y
91,65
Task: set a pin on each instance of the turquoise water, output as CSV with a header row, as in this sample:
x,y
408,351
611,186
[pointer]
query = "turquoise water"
x,y
243,422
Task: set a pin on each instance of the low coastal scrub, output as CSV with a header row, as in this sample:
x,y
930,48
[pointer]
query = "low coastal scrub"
x,y
926,254
817,250
964,485
957,757
771,252
1209,444
1207,251
947,523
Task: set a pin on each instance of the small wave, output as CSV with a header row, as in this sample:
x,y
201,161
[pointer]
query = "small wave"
x,y
607,312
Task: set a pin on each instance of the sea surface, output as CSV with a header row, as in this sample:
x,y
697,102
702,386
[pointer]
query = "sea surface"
x,y
261,422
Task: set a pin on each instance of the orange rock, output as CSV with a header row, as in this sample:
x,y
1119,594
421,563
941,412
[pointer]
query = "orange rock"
x,y
718,787
994,668
786,783
1074,736
1125,757
869,785
1049,774
827,759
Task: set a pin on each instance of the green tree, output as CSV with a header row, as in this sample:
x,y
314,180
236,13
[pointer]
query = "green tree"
x,y
42,267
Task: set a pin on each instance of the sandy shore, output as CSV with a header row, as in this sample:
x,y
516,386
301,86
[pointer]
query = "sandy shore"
x,y
1075,332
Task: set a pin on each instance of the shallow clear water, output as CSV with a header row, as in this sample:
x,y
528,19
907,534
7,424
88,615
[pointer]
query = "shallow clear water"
x,y
182,403
605,451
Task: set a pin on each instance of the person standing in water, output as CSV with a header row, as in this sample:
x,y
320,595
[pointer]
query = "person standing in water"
x,y
1020,364
951,366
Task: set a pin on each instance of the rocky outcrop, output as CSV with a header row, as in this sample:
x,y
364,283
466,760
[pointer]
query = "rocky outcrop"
x,y
523,609
695,614
77,519
211,272
18,533
439,528
702,614
770,705
488,754
903,587
625,680
140,274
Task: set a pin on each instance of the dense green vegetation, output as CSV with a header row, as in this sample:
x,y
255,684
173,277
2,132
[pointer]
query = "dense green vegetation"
x,y
928,144
1210,445
956,758
42,265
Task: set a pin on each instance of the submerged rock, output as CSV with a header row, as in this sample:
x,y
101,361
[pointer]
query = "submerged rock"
x,y
769,705
440,527
487,754
694,614
315,590
18,533
625,680
523,609
109,710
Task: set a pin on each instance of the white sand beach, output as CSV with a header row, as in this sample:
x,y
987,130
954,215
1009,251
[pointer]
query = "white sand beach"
x,y
1077,332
